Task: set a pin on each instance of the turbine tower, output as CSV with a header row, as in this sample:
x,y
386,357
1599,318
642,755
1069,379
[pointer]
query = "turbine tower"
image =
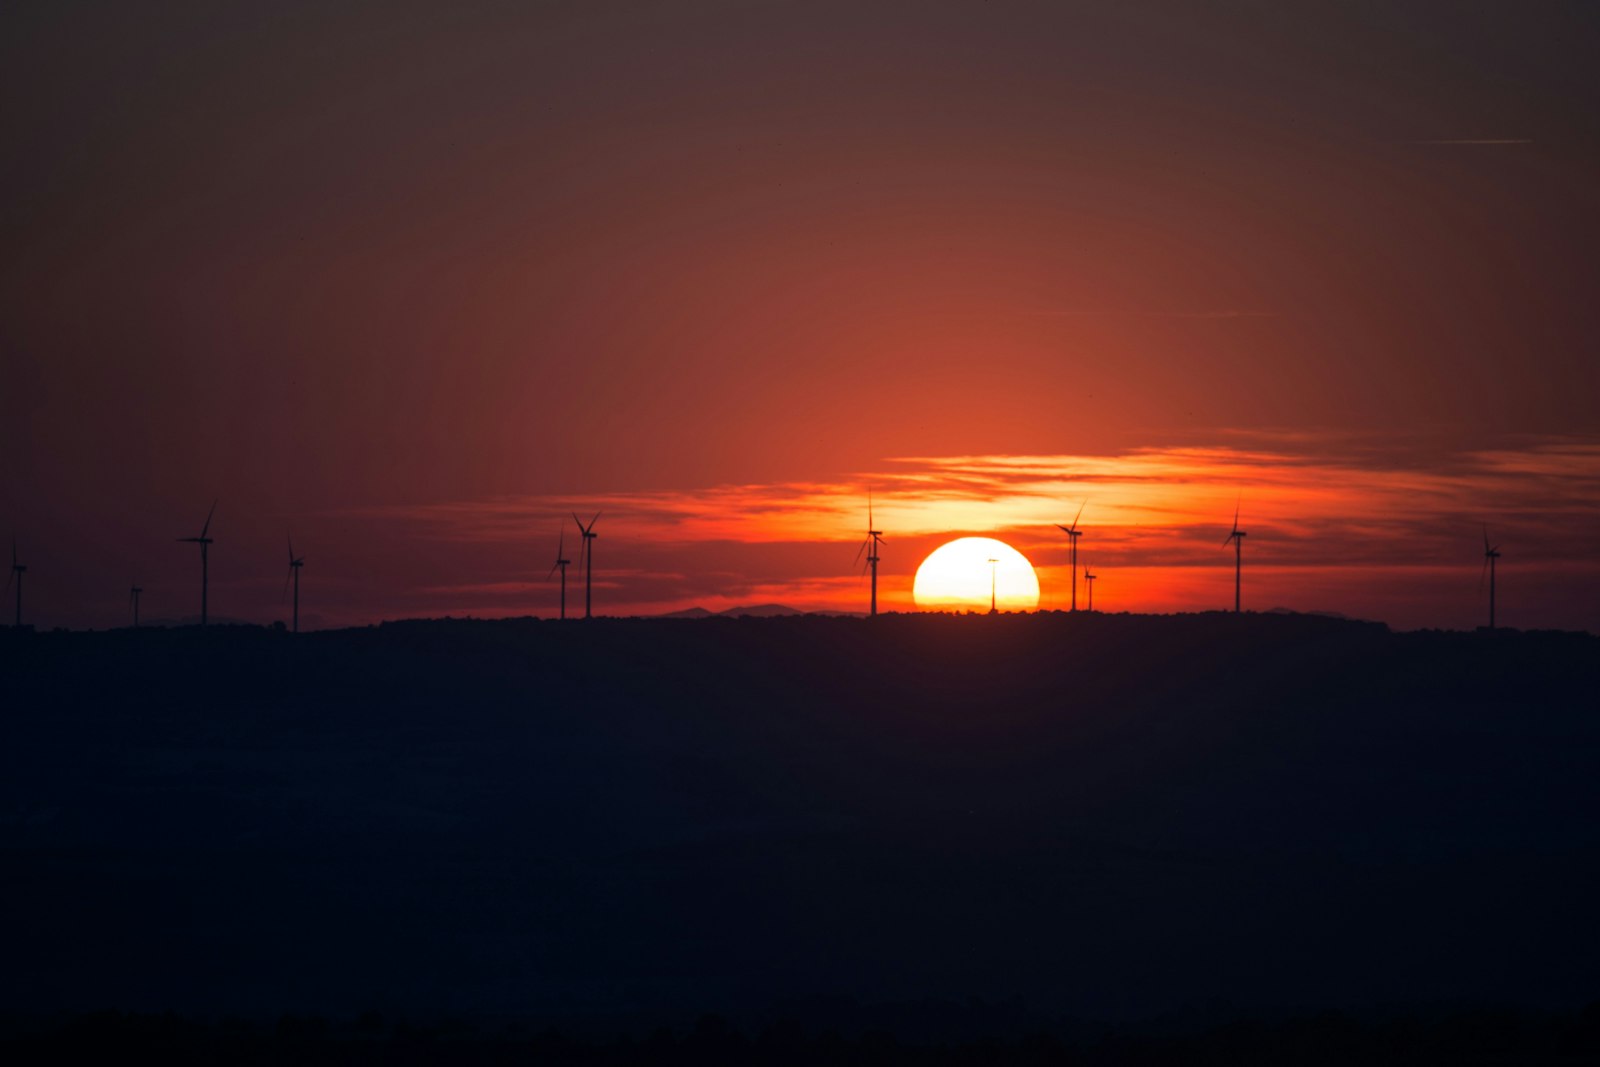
x,y
1489,556
294,573
1236,535
17,571
561,565
585,560
1088,580
870,547
1073,533
205,543
133,602
992,564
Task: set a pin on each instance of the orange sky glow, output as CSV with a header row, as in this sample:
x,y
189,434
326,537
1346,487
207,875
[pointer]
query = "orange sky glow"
x,y
413,282
1333,531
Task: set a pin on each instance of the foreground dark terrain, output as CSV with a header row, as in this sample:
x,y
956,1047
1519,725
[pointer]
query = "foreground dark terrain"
x,y
1051,821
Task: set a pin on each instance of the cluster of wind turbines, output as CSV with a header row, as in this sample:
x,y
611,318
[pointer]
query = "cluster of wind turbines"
x,y
869,548
291,581
205,541
1235,537
585,560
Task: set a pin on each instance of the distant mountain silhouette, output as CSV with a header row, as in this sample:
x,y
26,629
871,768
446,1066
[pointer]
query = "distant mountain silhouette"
x,y
760,611
1318,614
754,611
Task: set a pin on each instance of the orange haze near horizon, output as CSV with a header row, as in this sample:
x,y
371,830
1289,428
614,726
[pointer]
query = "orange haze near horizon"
x,y
1325,534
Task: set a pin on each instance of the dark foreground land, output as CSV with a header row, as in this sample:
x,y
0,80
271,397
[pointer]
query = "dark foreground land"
x,y
945,829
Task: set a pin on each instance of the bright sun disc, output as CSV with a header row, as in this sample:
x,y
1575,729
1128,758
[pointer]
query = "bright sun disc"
x,y
956,577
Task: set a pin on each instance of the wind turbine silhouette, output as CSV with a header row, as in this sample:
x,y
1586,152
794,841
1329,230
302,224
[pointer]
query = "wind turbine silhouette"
x,y
133,601
992,563
17,571
561,565
870,547
1489,556
1237,536
205,543
1073,533
585,560
1088,580
294,573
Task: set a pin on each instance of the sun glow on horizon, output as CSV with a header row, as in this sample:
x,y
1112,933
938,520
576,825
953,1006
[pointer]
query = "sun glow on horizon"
x,y
1325,515
963,574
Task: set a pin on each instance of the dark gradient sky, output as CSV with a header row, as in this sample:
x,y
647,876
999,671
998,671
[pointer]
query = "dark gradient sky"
x,y
325,259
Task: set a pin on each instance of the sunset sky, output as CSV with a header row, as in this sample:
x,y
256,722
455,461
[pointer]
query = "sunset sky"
x,y
414,281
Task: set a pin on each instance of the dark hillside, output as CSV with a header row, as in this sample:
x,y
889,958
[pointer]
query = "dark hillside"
x,y
1102,815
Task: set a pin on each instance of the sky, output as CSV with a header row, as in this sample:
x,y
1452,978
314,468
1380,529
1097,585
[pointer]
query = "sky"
x,y
411,282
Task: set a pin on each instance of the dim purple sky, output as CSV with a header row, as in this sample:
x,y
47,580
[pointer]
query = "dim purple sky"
x,y
411,281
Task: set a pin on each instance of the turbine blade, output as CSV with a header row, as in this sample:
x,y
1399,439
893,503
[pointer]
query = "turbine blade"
x,y
1236,504
552,573
594,520
210,513
1483,574
291,549
1079,515
860,550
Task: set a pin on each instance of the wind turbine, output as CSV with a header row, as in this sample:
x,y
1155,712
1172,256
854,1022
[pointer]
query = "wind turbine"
x,y
1088,580
133,601
205,543
17,571
1489,556
294,573
870,547
992,564
1073,533
1236,535
585,560
561,565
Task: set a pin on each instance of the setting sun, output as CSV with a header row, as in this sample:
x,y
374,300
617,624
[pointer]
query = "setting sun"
x,y
964,574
